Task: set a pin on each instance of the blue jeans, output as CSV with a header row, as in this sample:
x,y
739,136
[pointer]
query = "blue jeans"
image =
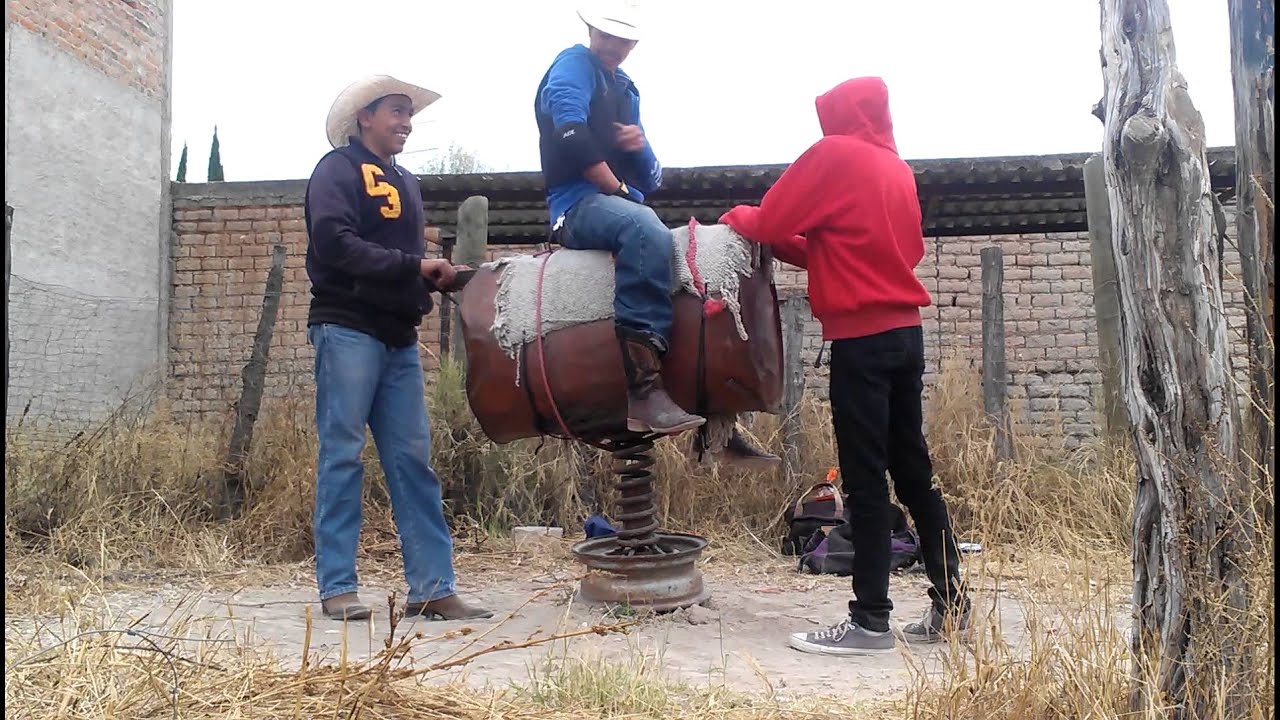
x,y
360,381
641,246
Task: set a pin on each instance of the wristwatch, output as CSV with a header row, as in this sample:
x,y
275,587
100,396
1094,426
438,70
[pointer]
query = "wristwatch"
x,y
624,192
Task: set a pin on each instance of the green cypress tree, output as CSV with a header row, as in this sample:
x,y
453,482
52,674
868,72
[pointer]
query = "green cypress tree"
x,y
182,165
215,159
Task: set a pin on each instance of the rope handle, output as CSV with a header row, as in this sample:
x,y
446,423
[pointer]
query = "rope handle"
x,y
835,493
710,306
542,357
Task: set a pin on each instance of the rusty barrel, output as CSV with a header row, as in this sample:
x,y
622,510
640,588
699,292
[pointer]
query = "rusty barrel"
x,y
583,363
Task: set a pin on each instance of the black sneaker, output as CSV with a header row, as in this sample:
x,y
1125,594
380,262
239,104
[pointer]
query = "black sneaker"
x,y
934,626
844,638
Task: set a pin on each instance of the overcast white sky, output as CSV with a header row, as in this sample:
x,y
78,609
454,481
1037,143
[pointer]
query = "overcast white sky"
x,y
720,85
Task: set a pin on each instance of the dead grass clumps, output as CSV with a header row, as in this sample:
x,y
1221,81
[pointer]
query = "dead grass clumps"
x,y
139,494
1047,498
141,491
188,672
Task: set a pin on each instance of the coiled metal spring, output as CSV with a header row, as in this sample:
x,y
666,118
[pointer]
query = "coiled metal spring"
x,y
632,458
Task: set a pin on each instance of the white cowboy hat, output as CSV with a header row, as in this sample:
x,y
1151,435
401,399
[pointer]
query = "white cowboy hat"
x,y
341,123
619,18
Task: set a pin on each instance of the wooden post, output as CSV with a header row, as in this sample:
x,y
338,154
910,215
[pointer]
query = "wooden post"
x,y
1106,298
1191,519
794,311
254,380
446,305
995,368
1253,34
8,271
472,242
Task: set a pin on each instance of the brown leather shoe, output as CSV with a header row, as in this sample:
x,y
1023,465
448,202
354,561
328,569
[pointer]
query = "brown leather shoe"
x,y
740,451
649,408
345,607
446,608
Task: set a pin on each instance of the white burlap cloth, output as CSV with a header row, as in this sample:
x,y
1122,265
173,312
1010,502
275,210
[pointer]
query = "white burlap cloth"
x,y
578,284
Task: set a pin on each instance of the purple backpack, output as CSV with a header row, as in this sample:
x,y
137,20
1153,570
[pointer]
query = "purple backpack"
x,y
832,553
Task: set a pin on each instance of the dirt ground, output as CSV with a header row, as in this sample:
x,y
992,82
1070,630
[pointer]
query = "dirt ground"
x,y
739,639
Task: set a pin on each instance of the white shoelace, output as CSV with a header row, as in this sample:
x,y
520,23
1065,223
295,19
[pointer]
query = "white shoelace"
x,y
834,633
927,621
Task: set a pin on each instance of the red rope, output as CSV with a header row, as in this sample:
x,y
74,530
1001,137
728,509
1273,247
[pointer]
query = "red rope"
x,y
542,357
710,306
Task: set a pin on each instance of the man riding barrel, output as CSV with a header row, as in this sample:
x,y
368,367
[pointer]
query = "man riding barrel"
x,y
598,166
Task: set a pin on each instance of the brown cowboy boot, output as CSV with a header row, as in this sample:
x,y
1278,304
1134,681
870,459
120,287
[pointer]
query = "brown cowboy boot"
x,y
649,408
446,608
740,451
345,607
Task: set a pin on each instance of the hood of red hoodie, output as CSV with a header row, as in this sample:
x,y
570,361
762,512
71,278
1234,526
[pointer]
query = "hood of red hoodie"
x,y
859,108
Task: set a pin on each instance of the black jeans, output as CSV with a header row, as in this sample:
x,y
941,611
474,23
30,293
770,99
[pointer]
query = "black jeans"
x,y
876,407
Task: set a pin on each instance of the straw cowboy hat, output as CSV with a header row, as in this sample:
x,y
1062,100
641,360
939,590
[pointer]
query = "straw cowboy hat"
x,y
342,123
619,18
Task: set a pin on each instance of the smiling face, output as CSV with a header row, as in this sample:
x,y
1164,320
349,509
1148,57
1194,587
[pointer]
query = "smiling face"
x,y
385,125
611,50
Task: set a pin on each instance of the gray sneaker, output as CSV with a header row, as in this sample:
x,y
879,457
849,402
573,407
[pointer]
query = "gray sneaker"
x,y
844,638
934,626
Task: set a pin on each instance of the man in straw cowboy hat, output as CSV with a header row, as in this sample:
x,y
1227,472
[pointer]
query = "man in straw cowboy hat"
x,y
370,287
598,166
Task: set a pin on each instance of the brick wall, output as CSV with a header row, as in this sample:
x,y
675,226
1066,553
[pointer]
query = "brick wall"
x,y
222,252
123,39
221,257
1051,339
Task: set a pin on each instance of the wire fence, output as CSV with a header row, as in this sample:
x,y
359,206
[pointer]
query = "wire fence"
x,y
74,356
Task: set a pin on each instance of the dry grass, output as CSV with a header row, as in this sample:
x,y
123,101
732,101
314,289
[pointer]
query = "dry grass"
x,y
1076,660
138,495
188,672
141,493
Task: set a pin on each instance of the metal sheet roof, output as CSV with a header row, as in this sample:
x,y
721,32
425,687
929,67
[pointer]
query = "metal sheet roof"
x,y
959,197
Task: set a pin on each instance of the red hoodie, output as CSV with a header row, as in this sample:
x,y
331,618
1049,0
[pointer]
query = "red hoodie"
x,y
847,210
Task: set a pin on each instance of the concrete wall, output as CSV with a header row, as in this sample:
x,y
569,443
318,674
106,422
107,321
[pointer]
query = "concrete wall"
x,y
224,232
86,169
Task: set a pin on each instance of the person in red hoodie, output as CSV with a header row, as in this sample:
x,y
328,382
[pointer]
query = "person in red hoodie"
x,y
848,212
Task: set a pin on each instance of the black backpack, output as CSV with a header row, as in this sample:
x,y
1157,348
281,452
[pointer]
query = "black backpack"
x,y
815,513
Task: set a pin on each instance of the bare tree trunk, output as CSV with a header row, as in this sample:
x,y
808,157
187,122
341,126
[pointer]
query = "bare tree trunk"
x,y
1253,33
254,382
1189,588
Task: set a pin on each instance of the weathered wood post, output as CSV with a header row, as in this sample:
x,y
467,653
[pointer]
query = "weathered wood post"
x,y
469,249
8,270
1106,298
794,312
253,383
1253,35
1191,533
995,367
447,303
